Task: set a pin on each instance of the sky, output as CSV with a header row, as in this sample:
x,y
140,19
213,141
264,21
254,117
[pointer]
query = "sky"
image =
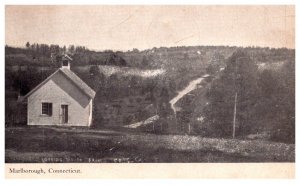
x,y
144,27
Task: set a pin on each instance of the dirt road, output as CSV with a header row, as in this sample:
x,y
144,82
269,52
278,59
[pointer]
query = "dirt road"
x,y
192,86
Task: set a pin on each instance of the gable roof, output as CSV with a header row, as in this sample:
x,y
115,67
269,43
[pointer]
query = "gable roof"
x,y
72,77
80,83
65,56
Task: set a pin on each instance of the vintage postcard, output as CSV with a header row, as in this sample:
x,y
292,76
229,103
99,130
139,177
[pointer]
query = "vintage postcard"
x,y
160,91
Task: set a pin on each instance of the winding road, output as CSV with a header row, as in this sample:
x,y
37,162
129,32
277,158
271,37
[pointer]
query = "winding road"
x,y
191,86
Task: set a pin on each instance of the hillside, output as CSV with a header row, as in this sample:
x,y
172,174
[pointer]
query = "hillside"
x,y
135,85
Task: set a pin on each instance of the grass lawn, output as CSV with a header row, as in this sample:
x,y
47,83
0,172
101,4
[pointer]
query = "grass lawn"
x,y
58,144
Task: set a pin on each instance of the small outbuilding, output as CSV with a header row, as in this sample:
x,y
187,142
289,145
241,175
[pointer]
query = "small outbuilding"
x,y
63,99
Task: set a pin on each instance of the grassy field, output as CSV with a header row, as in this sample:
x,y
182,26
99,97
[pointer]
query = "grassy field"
x,y
57,144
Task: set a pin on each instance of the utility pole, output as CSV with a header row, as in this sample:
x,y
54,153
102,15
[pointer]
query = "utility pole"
x,y
153,126
235,101
234,116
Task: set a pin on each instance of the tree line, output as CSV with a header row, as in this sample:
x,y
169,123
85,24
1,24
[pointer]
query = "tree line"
x,y
264,101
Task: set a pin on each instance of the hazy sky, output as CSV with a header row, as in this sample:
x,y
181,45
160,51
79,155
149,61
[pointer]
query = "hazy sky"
x,y
143,27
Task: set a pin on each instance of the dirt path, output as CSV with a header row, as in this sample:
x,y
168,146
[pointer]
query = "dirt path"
x,y
192,86
145,122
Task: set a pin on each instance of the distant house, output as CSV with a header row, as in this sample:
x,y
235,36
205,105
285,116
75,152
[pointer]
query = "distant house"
x,y
62,99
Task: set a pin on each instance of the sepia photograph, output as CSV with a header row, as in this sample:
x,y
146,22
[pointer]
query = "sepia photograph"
x,y
149,84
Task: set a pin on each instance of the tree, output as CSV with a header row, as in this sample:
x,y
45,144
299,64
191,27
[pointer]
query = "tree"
x,y
164,109
216,62
135,50
54,49
37,50
286,104
239,79
27,45
64,49
114,59
276,107
96,78
145,62
71,49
